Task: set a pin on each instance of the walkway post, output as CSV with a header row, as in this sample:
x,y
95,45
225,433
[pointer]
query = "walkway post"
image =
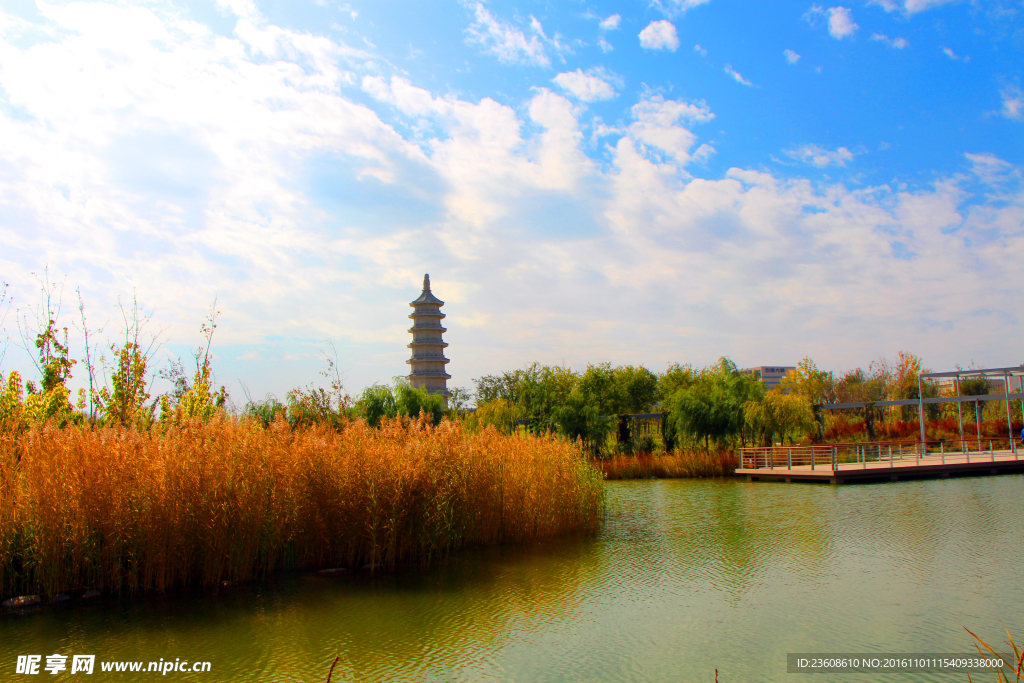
x,y
960,414
1009,424
920,406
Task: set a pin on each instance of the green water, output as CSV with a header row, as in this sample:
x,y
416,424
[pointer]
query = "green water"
x,y
686,577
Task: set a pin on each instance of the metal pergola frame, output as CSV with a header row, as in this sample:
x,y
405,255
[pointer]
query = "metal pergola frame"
x,y
920,401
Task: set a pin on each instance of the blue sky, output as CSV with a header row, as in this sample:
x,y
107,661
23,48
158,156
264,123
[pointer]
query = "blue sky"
x,y
633,182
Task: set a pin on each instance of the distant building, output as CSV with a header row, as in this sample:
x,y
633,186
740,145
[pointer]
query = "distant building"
x,y
770,375
427,369
995,385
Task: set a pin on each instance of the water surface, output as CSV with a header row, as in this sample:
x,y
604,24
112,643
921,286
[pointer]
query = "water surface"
x,y
686,576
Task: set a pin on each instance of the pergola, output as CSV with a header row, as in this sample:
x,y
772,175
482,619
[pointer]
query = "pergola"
x,y
1005,373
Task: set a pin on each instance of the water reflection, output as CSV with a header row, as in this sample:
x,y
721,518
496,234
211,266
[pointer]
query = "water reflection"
x,y
686,577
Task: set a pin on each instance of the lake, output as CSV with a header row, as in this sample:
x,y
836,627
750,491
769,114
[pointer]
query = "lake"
x,y
686,576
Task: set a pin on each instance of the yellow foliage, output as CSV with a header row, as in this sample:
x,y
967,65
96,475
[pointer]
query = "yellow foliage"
x,y
498,413
18,411
127,511
779,414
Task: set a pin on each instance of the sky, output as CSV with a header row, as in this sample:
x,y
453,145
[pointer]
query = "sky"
x,y
585,182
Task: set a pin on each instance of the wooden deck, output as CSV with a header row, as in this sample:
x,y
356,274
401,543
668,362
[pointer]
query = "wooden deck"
x,y
931,465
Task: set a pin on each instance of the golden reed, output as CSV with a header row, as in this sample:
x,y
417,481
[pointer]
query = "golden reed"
x,y
127,511
679,463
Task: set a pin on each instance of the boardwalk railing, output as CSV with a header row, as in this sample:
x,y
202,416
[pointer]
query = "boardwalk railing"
x,y
895,454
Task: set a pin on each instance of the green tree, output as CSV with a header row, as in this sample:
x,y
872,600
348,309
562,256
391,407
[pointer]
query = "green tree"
x,y
125,404
639,388
499,413
817,386
198,400
674,378
578,418
779,414
409,401
459,399
375,404
712,407
52,400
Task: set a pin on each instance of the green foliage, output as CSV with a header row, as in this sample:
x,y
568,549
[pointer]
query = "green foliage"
x,y
817,386
538,390
315,405
712,406
505,386
676,377
459,399
12,403
375,404
198,400
498,413
779,414
267,411
378,403
409,402
125,405
53,357
975,386
51,401
579,418
623,389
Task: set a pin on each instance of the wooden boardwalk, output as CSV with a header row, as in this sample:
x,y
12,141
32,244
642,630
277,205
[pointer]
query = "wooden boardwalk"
x,y
906,467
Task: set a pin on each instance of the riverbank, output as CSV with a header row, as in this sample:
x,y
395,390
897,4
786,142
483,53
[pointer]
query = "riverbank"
x,y
125,511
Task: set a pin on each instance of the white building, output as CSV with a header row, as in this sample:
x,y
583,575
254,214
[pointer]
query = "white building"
x,y
427,363
770,375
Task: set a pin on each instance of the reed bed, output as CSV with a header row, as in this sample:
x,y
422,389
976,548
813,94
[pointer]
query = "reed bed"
x,y
126,511
679,463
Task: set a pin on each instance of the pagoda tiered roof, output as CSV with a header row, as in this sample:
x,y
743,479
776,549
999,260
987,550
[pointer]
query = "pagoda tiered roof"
x,y
427,297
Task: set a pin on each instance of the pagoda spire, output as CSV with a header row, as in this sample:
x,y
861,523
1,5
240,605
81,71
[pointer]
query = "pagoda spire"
x,y
427,363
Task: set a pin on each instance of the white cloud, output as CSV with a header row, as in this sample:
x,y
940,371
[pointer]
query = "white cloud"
x,y
821,157
896,43
791,56
675,7
989,168
1013,103
585,86
505,41
908,7
611,23
605,45
700,50
736,76
658,125
659,35
839,20
949,53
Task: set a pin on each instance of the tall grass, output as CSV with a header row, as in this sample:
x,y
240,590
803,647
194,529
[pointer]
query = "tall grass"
x,y
1015,660
127,511
678,463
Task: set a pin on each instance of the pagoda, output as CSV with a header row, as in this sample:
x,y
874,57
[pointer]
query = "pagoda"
x,y
428,361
